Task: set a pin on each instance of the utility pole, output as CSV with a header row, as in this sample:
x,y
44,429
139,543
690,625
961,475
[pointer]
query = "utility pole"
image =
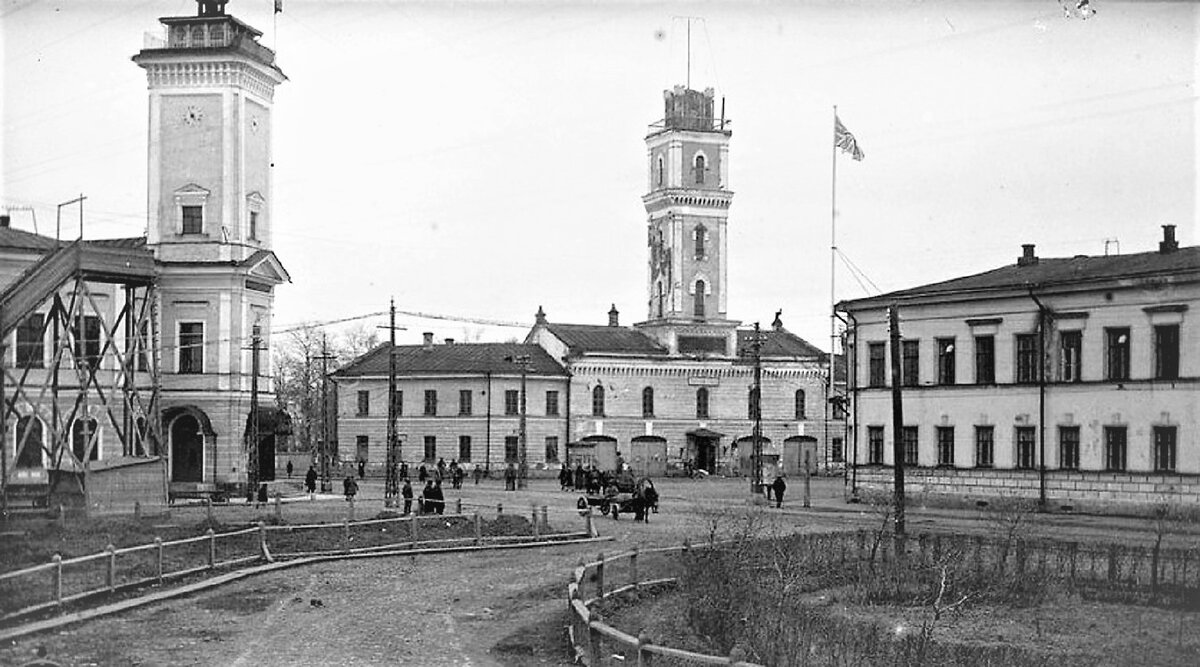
x,y
391,490
897,419
252,471
756,341
523,360
3,437
325,357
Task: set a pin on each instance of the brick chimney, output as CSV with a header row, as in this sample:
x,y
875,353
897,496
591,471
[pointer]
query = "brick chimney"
x,y
1168,244
1027,257
428,339
613,316
449,341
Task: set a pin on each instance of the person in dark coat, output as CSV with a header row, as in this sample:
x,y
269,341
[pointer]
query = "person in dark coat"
x,y
290,469
438,499
478,473
350,487
407,494
403,471
362,468
510,478
423,474
310,480
564,478
424,505
779,486
580,478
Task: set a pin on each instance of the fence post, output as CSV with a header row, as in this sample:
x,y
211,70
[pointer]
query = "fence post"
x,y
350,511
644,657
57,560
158,544
278,506
212,548
478,530
208,510
62,516
110,577
458,505
545,519
262,542
533,517
593,643
633,570
600,577
587,519
412,529
346,530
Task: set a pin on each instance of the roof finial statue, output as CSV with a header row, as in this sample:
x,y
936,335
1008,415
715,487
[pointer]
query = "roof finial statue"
x,y
540,316
778,323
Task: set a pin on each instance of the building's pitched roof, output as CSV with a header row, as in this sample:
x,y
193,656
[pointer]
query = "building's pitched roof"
x,y
778,343
18,239
587,338
133,243
456,359
1055,271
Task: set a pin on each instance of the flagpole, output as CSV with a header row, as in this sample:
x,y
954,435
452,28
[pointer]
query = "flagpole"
x,y
832,278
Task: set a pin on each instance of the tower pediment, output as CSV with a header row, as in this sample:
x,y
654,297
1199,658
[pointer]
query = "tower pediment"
x,y
264,265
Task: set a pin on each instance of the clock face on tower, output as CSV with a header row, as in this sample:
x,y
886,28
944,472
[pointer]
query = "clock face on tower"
x,y
193,115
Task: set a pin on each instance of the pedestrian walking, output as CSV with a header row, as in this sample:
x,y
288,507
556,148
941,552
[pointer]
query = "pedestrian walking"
x,y
289,469
438,499
478,473
310,480
403,471
350,487
362,468
423,502
779,486
510,478
580,477
423,474
407,494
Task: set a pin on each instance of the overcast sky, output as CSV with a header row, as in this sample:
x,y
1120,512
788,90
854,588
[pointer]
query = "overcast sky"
x,y
484,158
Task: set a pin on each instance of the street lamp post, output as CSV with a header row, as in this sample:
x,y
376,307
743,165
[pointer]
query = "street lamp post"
x,y
523,361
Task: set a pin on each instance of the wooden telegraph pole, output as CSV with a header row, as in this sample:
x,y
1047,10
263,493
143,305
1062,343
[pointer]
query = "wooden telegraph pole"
x,y
252,470
756,480
391,490
897,419
325,357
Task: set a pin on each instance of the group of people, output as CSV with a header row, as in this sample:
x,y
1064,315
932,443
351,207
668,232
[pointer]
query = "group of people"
x,y
590,480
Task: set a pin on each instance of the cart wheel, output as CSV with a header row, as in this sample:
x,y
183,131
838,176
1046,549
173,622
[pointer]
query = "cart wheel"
x,y
604,508
581,504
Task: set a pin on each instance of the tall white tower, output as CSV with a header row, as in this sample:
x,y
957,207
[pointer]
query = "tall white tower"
x,y
688,210
210,225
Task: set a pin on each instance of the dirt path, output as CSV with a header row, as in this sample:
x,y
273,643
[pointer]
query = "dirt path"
x,y
477,609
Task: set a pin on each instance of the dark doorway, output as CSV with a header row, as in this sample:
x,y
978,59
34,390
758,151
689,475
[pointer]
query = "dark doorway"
x,y
266,458
706,454
187,450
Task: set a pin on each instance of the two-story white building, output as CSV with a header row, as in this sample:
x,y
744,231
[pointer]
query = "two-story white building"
x,y
1074,381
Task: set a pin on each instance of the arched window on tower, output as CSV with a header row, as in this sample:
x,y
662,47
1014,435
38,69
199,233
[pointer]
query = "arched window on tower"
x,y
648,403
702,403
800,411
699,169
700,236
661,173
83,432
699,299
598,401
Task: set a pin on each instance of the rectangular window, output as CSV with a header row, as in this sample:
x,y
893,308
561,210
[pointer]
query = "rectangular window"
x,y
875,445
1166,352
945,348
985,360
464,448
1027,359
191,347
1070,356
464,401
1026,447
430,402
87,342
512,401
511,446
837,450
910,368
1068,447
1116,353
143,348
430,448
193,219
1164,449
364,403
1114,448
253,225
878,365
31,345
551,403
362,447
702,403
551,449
945,438
985,445
908,438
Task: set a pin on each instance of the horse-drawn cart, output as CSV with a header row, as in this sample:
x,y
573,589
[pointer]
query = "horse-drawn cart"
x,y
622,493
